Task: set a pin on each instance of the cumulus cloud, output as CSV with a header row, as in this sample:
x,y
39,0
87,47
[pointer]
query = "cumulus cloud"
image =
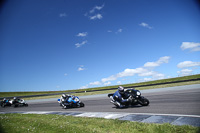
x,y
83,34
147,79
95,83
145,71
185,72
141,71
84,87
119,82
96,8
145,25
192,46
94,13
111,78
131,72
162,60
78,45
107,83
119,30
97,16
81,68
62,15
188,64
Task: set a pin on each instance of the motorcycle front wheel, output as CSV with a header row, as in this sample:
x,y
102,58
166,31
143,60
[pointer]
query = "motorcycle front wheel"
x,y
144,101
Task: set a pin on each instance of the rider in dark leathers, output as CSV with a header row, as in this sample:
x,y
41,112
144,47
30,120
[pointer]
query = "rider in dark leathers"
x,y
121,97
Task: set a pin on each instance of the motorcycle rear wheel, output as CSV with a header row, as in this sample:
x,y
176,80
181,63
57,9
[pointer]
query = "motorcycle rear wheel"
x,y
82,104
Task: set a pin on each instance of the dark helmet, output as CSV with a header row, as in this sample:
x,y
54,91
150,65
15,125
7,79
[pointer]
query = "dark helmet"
x,y
121,90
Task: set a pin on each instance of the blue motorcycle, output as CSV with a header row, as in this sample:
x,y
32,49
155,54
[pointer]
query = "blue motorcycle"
x,y
71,102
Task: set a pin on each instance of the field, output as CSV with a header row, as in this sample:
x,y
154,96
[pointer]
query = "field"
x,y
18,123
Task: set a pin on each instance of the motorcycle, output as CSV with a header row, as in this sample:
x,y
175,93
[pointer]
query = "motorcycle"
x,y
135,96
5,103
19,102
71,102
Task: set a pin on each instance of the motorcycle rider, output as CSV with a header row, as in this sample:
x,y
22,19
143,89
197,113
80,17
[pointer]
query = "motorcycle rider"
x,y
16,100
63,98
121,97
4,101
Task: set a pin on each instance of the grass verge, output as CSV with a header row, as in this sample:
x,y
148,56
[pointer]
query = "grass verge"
x,y
18,123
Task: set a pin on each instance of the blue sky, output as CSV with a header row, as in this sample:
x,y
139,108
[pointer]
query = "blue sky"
x,y
63,44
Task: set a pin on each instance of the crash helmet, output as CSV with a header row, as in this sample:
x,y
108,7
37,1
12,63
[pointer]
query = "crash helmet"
x,y
4,99
15,98
121,90
63,95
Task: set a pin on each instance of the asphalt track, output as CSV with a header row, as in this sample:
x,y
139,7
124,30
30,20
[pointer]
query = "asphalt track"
x,y
182,100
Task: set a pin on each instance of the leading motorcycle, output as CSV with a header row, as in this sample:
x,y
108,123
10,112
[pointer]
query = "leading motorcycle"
x,y
135,96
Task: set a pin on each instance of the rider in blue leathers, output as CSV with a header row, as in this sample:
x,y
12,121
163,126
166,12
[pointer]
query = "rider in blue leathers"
x,y
120,97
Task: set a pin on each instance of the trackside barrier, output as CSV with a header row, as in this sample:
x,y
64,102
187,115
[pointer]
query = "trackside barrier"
x,y
102,89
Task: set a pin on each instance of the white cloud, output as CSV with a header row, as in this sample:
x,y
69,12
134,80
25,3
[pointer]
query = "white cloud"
x,y
140,71
188,64
145,25
83,34
147,79
62,15
96,8
119,82
190,45
119,30
81,68
185,72
65,74
131,72
84,87
109,31
161,60
57,86
158,76
147,73
107,83
95,83
80,44
111,78
97,16
93,14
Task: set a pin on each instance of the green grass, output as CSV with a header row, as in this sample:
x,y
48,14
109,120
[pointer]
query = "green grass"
x,y
10,94
23,123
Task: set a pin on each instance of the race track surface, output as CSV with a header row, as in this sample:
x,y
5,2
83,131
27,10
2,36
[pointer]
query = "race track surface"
x,y
175,100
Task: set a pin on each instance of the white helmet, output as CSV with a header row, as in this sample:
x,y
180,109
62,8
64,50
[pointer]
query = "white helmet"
x,y
121,89
63,95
